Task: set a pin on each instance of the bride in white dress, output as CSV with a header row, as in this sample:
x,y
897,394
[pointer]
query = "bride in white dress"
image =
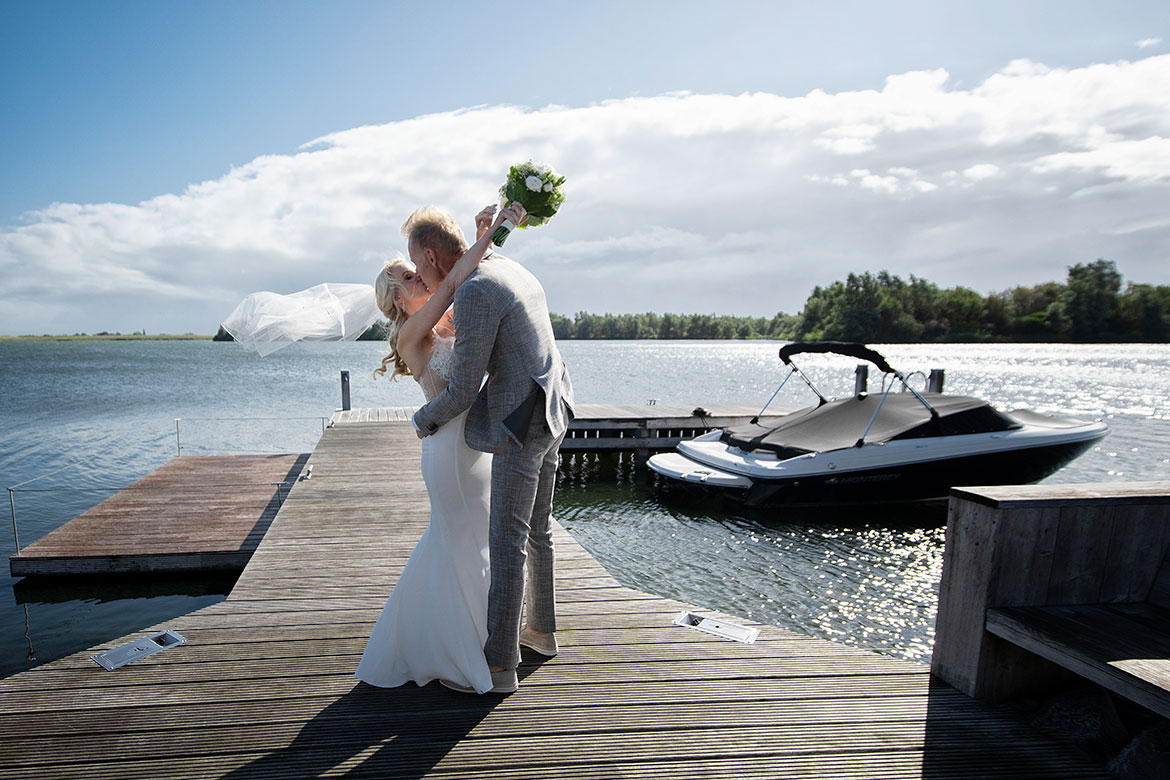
x,y
434,625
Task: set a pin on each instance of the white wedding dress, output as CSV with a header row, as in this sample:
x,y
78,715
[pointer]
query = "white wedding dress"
x,y
435,623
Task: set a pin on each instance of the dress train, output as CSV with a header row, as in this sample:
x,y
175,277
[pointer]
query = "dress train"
x,y
434,624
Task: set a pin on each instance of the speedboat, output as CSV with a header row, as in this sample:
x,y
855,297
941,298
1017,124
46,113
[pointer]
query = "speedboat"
x,y
904,445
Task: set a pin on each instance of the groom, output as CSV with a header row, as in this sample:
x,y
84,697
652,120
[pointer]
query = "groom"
x,y
520,414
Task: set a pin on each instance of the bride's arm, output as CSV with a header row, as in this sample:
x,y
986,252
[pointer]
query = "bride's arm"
x,y
422,321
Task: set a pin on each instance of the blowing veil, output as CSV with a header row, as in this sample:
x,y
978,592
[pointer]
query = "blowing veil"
x,y
268,321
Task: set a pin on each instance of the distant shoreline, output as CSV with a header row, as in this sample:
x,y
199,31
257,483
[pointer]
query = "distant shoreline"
x,y
113,337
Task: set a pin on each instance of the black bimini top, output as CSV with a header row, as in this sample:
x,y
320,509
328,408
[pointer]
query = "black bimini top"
x,y
839,424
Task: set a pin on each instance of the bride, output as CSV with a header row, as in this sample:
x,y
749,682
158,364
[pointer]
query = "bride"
x,y
434,625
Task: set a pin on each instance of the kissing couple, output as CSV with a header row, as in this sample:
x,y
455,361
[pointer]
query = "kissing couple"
x,y
489,459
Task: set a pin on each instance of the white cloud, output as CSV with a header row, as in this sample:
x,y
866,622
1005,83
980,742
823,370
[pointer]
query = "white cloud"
x,y
1129,161
849,139
895,181
680,202
982,171
1149,43
846,145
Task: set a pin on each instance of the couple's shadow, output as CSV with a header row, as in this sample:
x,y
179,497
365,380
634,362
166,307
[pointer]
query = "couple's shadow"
x,y
406,731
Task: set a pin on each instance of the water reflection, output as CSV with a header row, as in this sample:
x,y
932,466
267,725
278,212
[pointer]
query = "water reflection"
x,y
107,588
61,615
866,576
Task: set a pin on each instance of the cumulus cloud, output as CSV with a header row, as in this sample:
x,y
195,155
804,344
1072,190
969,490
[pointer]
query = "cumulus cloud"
x,y
681,202
981,171
1145,160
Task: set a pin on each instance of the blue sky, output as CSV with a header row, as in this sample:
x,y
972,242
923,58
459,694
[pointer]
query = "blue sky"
x,y
120,112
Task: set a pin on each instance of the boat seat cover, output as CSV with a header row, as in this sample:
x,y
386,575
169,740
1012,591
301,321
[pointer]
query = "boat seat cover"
x,y
1028,417
839,424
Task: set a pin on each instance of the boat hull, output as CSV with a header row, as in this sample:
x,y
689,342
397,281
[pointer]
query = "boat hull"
x,y
927,479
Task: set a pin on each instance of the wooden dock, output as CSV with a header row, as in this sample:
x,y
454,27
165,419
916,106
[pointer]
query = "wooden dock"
x,y
196,513
637,428
209,512
265,688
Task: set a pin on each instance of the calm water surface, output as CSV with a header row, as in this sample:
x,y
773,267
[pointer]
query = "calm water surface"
x,y
94,416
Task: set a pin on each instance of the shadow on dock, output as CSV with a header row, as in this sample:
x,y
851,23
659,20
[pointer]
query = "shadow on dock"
x,y
374,732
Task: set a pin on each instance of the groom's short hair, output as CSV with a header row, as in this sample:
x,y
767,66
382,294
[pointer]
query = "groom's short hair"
x,y
432,228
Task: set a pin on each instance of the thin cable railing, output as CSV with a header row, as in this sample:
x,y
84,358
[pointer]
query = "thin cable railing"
x,y
12,498
178,443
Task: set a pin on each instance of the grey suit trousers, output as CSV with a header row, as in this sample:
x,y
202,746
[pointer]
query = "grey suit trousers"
x,y
519,539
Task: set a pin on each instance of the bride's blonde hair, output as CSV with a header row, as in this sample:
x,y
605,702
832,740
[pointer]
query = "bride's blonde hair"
x,y
386,289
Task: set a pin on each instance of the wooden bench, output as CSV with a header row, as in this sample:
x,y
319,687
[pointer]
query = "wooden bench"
x,y
1043,578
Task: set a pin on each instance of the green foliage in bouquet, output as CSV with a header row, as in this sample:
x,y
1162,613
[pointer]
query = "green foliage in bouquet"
x,y
537,188
541,202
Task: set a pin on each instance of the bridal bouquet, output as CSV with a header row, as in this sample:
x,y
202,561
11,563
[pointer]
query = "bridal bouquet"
x,y
537,188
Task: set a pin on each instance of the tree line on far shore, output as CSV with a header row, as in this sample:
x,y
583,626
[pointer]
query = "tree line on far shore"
x,y
1091,305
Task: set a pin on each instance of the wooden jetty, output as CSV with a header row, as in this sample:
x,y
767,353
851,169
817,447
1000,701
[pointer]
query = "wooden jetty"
x,y
636,428
195,513
210,512
264,688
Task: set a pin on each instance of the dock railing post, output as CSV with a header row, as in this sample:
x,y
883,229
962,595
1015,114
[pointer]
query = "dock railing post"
x,y
12,506
178,447
642,454
345,391
934,382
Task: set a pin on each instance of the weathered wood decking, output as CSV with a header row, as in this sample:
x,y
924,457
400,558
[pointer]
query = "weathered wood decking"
x,y
195,513
1042,578
264,689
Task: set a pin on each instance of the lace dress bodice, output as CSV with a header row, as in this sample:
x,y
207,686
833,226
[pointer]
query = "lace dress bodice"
x,y
437,374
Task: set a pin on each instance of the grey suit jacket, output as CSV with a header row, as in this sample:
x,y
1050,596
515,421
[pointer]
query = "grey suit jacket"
x,y
502,329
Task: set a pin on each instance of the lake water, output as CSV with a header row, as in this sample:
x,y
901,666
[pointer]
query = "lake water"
x,y
94,416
